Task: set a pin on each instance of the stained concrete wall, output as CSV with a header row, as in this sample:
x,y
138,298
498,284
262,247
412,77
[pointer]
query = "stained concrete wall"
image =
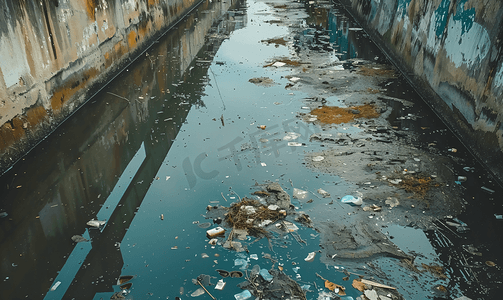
x,y
55,54
451,50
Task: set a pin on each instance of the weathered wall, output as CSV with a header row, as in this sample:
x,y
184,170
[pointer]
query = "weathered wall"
x,y
451,50
55,54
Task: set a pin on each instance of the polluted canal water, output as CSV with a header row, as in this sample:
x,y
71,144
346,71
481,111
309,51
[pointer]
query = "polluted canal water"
x,y
258,150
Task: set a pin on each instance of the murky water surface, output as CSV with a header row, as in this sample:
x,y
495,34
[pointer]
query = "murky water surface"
x,y
180,130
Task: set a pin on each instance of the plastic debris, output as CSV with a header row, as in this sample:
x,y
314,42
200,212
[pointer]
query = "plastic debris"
x,y
487,190
236,274
273,207
204,225
290,136
55,286
220,285
392,202
462,178
498,217
79,238
461,226
241,262
318,158
264,223
278,64
310,257
265,274
96,223
349,199
299,194
197,292
213,241
294,144
463,298
395,181
254,256
223,273
250,210
234,245
204,255
323,193
215,232
243,295
453,150
372,207
371,294
290,226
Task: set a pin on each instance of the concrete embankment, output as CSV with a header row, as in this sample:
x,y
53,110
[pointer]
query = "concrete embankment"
x,y
54,55
451,52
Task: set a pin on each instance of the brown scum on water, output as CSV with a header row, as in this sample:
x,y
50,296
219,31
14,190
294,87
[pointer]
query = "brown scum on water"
x,y
417,185
338,115
275,41
287,61
375,71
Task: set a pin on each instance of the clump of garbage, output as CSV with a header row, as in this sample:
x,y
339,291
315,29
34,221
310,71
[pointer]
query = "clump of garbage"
x,y
256,217
252,215
269,284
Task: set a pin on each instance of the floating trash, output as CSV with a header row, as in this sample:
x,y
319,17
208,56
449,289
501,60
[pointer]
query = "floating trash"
x,y
310,257
323,193
126,286
243,295
299,194
55,286
215,232
204,225
197,292
265,274
349,199
278,64
223,273
123,279
290,136
294,144
318,158
96,223
220,285
236,274
79,238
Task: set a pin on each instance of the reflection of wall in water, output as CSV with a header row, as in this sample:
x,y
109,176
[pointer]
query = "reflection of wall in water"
x,y
61,193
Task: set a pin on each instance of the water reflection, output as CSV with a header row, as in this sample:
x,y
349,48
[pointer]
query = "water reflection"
x,y
327,29
102,167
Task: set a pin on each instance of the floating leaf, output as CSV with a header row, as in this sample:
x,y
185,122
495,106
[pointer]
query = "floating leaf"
x,y
332,286
127,286
490,263
124,279
357,284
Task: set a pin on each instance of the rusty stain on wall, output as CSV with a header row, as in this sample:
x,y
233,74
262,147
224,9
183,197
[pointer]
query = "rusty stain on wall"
x,y
54,56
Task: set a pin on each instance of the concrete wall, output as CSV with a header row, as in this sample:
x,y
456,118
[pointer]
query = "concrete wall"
x,y
55,54
452,52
